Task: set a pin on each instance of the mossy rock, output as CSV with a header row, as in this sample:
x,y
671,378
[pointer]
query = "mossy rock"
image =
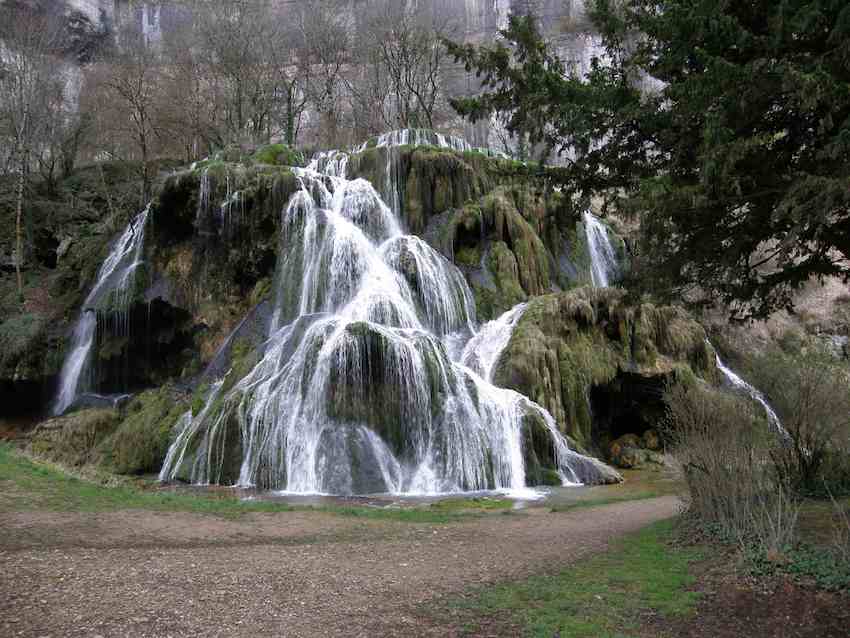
x,y
538,453
278,155
73,439
568,343
368,390
23,347
141,441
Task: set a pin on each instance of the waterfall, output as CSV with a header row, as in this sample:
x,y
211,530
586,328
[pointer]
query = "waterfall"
x,y
483,351
391,141
604,267
357,390
739,384
114,286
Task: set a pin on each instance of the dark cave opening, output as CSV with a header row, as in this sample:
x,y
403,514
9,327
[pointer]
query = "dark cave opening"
x,y
155,342
630,404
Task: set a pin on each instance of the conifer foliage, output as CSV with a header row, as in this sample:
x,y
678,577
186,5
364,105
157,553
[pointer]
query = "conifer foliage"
x,y
737,161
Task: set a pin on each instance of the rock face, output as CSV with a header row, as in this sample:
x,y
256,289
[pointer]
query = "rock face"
x,y
580,353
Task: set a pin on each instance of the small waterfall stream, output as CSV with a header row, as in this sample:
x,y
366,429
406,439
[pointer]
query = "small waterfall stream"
x,y
482,352
605,268
741,385
359,389
114,285
604,265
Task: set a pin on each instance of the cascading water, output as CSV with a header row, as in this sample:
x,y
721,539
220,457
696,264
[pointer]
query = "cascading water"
x,y
482,352
742,386
356,391
114,282
604,266
394,140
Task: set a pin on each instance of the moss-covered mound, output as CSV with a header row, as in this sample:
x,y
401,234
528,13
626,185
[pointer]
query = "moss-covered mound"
x,y
73,440
132,440
569,346
139,444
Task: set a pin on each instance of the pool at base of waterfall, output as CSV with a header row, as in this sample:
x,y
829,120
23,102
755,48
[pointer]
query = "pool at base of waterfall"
x,y
639,484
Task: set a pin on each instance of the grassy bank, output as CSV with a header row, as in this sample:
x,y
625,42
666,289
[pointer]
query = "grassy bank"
x,y
609,595
27,485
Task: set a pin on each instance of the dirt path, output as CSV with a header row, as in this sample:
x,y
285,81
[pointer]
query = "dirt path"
x,y
289,574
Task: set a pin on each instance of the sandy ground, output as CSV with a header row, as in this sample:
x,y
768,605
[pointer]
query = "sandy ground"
x,y
288,574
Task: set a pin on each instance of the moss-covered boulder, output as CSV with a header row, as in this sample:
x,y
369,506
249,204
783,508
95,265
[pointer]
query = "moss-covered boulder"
x,y
567,344
630,451
74,440
139,444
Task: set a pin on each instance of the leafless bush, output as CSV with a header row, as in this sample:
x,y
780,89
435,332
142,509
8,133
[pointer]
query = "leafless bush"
x,y
723,445
841,530
810,391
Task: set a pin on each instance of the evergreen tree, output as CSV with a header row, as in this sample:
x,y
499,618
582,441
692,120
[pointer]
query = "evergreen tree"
x,y
738,162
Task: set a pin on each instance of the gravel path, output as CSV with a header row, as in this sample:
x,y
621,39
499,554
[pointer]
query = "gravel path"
x,y
296,574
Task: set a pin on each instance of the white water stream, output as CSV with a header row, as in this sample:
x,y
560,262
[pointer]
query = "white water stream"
x,y
115,278
742,386
604,265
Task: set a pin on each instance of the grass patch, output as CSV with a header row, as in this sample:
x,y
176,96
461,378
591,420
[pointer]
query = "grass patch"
x,y
599,597
604,500
27,485
399,514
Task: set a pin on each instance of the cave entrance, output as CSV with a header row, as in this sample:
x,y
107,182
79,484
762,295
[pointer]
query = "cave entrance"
x,y
468,242
629,404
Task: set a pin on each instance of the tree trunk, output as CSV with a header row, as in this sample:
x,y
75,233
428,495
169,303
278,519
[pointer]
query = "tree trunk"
x,y
146,179
290,119
19,244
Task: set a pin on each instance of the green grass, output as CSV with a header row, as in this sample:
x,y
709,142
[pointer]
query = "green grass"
x,y
598,501
399,514
605,596
485,504
27,485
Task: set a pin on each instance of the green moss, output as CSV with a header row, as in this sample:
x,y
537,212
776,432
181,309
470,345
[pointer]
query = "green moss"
x,y
468,256
503,266
278,155
567,343
262,291
140,443
73,439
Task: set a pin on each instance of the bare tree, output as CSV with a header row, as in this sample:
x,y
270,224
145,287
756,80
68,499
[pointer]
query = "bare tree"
x,y
235,42
326,35
65,128
193,114
30,81
403,63
291,75
129,87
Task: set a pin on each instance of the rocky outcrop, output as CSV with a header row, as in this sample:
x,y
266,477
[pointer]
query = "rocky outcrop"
x,y
570,347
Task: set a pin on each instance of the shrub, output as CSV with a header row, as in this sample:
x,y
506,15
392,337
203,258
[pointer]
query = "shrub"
x,y
723,445
810,392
